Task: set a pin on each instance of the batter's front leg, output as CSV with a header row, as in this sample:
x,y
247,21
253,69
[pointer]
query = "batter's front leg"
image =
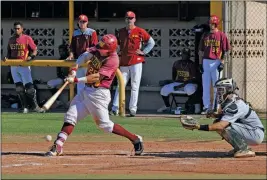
x,y
136,74
76,112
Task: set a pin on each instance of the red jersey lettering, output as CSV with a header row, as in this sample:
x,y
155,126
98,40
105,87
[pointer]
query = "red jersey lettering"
x,y
19,47
213,45
130,41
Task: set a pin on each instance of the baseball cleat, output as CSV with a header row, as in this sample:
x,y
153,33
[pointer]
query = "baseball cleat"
x,y
138,146
24,110
39,110
244,153
55,150
163,109
113,113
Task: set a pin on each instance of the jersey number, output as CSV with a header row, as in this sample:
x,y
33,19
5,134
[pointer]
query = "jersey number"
x,y
21,53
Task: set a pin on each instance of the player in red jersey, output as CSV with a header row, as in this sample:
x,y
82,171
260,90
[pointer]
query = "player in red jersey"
x,y
82,39
95,97
21,46
134,43
213,47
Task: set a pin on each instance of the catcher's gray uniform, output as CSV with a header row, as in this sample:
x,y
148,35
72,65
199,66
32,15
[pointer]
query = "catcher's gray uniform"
x,y
244,120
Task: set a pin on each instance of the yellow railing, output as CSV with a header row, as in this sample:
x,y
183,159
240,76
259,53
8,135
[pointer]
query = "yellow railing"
x,y
70,63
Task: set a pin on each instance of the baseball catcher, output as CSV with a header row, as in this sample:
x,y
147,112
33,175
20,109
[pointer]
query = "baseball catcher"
x,y
236,122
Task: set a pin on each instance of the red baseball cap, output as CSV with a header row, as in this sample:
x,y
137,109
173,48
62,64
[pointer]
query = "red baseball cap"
x,y
83,17
130,14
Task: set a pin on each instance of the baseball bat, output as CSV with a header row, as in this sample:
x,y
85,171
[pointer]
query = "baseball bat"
x,y
51,101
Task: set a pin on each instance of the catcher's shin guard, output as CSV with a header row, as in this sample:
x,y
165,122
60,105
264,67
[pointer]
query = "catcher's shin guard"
x,y
138,146
21,95
235,139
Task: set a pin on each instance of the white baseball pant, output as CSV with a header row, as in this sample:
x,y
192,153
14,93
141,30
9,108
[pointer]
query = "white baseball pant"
x,y
188,89
135,73
210,74
21,74
91,101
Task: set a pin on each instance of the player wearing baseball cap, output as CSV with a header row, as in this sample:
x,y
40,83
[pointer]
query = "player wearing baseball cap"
x,y
82,39
213,47
134,43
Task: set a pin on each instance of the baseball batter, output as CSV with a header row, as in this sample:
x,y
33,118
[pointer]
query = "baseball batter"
x,y
95,97
183,75
82,39
131,40
212,49
21,46
237,122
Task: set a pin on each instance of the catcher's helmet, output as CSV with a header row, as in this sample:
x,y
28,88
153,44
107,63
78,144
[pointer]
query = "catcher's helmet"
x,y
108,43
225,86
214,20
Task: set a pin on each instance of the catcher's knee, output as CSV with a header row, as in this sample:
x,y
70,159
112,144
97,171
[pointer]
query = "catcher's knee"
x,y
106,126
30,90
20,88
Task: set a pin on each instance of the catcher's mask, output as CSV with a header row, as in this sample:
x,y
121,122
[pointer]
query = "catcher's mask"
x,y
224,87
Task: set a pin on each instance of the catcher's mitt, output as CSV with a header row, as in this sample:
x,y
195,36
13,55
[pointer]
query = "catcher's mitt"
x,y
189,123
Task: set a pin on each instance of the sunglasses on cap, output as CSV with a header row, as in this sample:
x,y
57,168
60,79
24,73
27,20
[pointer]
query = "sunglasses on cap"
x,y
130,18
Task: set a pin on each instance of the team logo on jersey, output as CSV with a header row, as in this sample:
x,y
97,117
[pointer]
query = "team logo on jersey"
x,y
101,43
134,36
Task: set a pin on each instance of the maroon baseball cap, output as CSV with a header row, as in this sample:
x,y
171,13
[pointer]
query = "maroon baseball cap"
x,y
83,17
130,14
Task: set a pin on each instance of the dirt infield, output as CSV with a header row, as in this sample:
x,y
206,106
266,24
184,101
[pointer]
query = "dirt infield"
x,y
176,157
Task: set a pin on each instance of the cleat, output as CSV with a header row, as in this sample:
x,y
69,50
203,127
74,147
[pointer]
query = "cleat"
x,y
24,110
55,150
244,153
163,109
231,153
113,113
39,110
132,114
138,146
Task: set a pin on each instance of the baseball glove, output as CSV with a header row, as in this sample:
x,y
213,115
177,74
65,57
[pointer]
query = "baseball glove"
x,y
189,123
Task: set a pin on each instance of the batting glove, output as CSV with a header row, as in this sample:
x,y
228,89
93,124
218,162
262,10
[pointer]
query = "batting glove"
x,y
220,67
70,79
72,72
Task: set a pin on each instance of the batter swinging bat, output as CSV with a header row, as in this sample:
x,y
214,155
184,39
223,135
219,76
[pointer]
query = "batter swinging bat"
x,y
51,101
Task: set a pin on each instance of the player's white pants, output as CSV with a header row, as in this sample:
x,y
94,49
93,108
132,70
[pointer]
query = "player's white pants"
x,y
92,101
54,82
81,72
189,89
21,74
135,73
209,75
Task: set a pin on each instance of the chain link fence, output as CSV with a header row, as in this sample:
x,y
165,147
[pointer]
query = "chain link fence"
x,y
246,27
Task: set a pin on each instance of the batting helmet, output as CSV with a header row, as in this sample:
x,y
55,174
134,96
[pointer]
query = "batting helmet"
x,y
108,43
214,19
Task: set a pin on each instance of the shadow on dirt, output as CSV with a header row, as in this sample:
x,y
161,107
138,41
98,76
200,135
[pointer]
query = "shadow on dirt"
x,y
65,154
195,154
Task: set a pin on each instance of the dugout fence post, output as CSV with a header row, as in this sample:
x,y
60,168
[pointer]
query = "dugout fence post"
x,y
71,29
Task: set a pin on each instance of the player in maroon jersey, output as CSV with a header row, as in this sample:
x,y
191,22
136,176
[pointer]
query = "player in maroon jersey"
x,y
21,46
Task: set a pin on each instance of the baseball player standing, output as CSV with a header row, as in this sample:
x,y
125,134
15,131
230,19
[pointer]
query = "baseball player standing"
x,y
82,39
21,46
236,121
95,97
131,39
213,47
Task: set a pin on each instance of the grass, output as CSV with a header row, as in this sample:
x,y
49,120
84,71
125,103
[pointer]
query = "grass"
x,y
14,124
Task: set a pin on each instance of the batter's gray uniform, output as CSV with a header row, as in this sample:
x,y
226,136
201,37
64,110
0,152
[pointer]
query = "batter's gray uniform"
x,y
245,121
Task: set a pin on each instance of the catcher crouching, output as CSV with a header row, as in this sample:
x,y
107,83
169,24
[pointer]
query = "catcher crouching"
x,y
237,122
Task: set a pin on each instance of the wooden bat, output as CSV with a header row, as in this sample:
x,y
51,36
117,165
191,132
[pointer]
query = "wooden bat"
x,y
51,101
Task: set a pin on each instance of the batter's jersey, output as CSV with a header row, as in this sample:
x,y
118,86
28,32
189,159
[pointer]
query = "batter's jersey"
x,y
183,70
213,44
19,47
105,66
130,41
237,113
82,40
